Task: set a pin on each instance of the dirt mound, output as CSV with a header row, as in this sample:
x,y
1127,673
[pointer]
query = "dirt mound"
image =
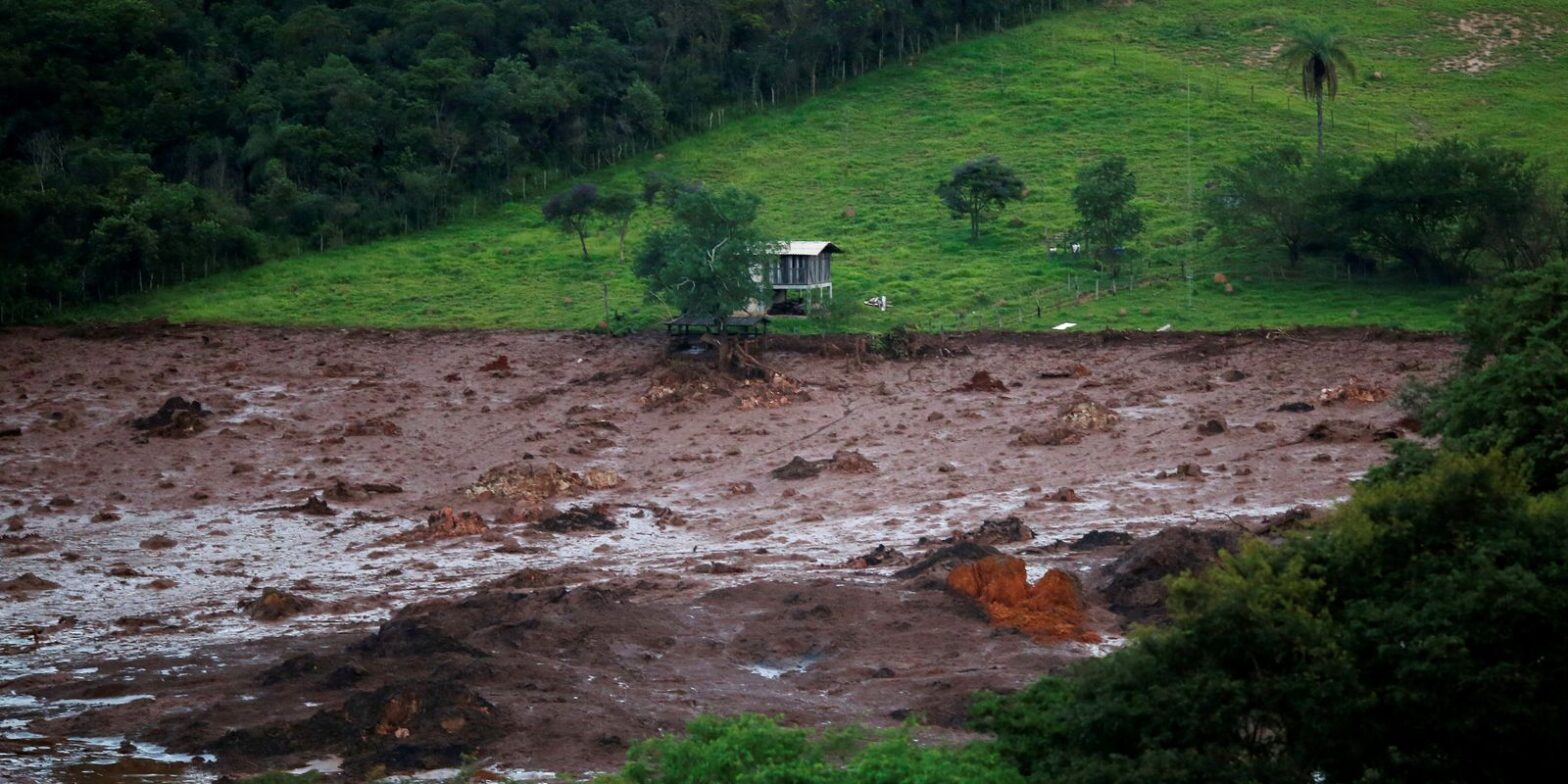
x,y
410,634
1134,585
1004,531
881,555
1353,391
345,491
415,725
1065,495
1050,610
945,557
445,524
982,381
532,482
1346,431
777,391
500,366
1088,415
176,418
276,604
1097,539
1057,435
843,461
578,518
27,583
377,426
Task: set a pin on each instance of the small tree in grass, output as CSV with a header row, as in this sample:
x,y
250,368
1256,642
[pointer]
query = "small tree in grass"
x,y
1107,217
979,189
710,260
617,208
572,209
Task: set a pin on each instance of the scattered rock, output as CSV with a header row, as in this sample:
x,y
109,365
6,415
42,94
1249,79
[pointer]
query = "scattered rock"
x,y
372,427
532,481
1088,415
176,418
275,604
27,583
157,542
1297,407
982,381
881,555
1354,391
1212,427
991,532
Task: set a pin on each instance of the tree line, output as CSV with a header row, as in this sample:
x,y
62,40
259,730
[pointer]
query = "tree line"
x,y
146,142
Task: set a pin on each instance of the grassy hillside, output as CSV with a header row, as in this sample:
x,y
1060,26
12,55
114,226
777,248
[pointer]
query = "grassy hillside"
x,y
1177,86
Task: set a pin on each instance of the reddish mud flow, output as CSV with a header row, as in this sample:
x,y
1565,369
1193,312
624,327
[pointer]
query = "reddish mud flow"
x,y
651,544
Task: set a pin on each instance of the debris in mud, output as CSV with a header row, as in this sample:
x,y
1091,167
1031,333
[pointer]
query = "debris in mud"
x,y
740,488
881,555
777,391
445,524
344,491
314,505
959,552
1284,521
1134,585
533,482
798,468
1088,415
991,532
843,461
1071,371
416,725
157,542
1345,431
1353,391
719,567
578,518
1233,375
1057,435
500,367
11,432
1065,495
176,418
1212,427
1097,539
1050,610
372,427
27,583
1183,471
1297,407
410,636
982,381
276,604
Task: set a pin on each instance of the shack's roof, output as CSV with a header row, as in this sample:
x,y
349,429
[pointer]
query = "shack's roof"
x,y
807,248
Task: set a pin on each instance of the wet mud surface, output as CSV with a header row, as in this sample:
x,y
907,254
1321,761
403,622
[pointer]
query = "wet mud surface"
x,y
265,548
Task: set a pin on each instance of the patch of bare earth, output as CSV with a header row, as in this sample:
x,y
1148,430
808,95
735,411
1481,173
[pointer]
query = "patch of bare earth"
x,y
1490,37
388,549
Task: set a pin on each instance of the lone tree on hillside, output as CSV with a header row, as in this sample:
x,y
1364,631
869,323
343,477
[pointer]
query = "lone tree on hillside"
x,y
1107,216
617,208
1279,197
979,189
571,210
1321,55
710,260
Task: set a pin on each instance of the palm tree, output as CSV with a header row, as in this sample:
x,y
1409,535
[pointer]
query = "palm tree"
x,y
1321,55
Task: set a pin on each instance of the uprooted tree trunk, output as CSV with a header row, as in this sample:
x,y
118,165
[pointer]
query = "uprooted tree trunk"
x,y
734,357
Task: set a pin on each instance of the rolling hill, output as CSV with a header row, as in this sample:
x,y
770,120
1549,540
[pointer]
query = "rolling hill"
x,y
1177,86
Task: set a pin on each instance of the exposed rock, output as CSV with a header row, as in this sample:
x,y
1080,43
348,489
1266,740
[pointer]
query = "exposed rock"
x,y
157,542
176,418
1097,539
982,381
1088,415
579,518
276,604
1049,610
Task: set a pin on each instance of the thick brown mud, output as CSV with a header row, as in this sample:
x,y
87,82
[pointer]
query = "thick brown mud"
x,y
267,548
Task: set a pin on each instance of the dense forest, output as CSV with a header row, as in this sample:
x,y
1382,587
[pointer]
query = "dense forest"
x,y
145,142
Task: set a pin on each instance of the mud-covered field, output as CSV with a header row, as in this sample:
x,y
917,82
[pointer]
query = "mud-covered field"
x,y
358,549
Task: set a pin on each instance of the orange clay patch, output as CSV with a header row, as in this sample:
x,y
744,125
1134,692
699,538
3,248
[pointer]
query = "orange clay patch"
x,y
1049,611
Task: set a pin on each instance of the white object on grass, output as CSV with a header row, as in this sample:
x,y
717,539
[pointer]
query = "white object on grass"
x,y
1065,325
1166,328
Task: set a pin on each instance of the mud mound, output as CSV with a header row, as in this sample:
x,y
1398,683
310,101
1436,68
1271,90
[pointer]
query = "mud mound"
x,y
1004,531
416,725
500,366
881,555
1134,585
946,557
1050,610
1057,435
683,382
578,518
176,418
1345,431
1097,539
533,482
1065,495
777,391
27,583
345,491
797,468
1353,391
445,524
410,635
1088,415
276,604
372,427
982,381
846,461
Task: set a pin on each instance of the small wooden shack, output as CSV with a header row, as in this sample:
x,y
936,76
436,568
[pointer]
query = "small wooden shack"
x,y
805,267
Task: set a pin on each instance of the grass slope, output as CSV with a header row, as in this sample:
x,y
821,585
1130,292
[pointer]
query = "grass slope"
x,y
1177,86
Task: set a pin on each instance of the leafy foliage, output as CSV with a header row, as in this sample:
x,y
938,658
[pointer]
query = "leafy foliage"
x,y
1107,216
1320,55
1393,642
979,189
1279,197
1511,390
750,749
710,260
572,209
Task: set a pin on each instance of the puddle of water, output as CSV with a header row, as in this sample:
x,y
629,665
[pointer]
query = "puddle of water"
x,y
773,669
35,759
